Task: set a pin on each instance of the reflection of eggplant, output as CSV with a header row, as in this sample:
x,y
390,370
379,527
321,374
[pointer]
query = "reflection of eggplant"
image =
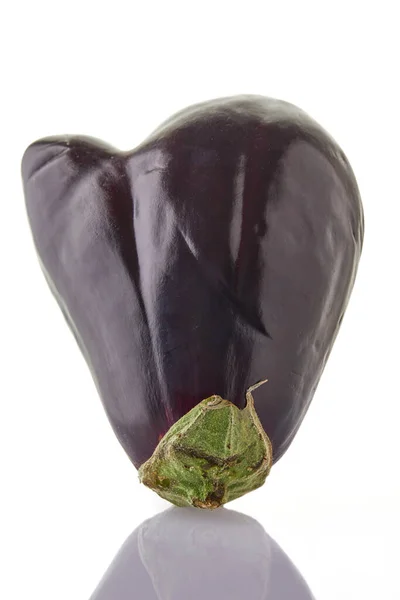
x,y
220,252
183,554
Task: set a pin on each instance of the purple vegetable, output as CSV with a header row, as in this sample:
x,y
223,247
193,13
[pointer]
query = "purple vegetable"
x,y
220,252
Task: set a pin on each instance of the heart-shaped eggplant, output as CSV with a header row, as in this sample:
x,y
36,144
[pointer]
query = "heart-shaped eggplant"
x,y
220,252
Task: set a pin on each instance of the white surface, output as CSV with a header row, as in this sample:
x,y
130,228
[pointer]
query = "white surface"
x,y
116,70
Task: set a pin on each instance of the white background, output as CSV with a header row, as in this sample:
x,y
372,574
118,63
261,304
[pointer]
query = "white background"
x,y
115,71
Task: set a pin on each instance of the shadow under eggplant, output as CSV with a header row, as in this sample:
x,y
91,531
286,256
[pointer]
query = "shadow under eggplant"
x,y
190,554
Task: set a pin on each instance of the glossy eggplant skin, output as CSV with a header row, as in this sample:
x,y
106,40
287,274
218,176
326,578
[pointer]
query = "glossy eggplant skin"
x,y
220,252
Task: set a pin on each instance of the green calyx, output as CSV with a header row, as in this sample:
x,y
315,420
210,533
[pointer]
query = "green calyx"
x,y
212,455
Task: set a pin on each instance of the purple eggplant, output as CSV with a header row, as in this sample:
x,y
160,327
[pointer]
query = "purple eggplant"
x,y
220,252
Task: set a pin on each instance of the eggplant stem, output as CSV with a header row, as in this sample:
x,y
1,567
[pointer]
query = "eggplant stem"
x,y
212,455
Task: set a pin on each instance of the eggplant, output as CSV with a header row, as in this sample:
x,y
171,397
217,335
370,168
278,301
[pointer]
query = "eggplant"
x,y
220,252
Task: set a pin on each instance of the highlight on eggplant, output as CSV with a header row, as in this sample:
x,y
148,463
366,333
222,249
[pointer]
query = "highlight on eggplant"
x,y
220,251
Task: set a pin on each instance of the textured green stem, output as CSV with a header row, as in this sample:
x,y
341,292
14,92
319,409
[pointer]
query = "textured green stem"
x,y
212,455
